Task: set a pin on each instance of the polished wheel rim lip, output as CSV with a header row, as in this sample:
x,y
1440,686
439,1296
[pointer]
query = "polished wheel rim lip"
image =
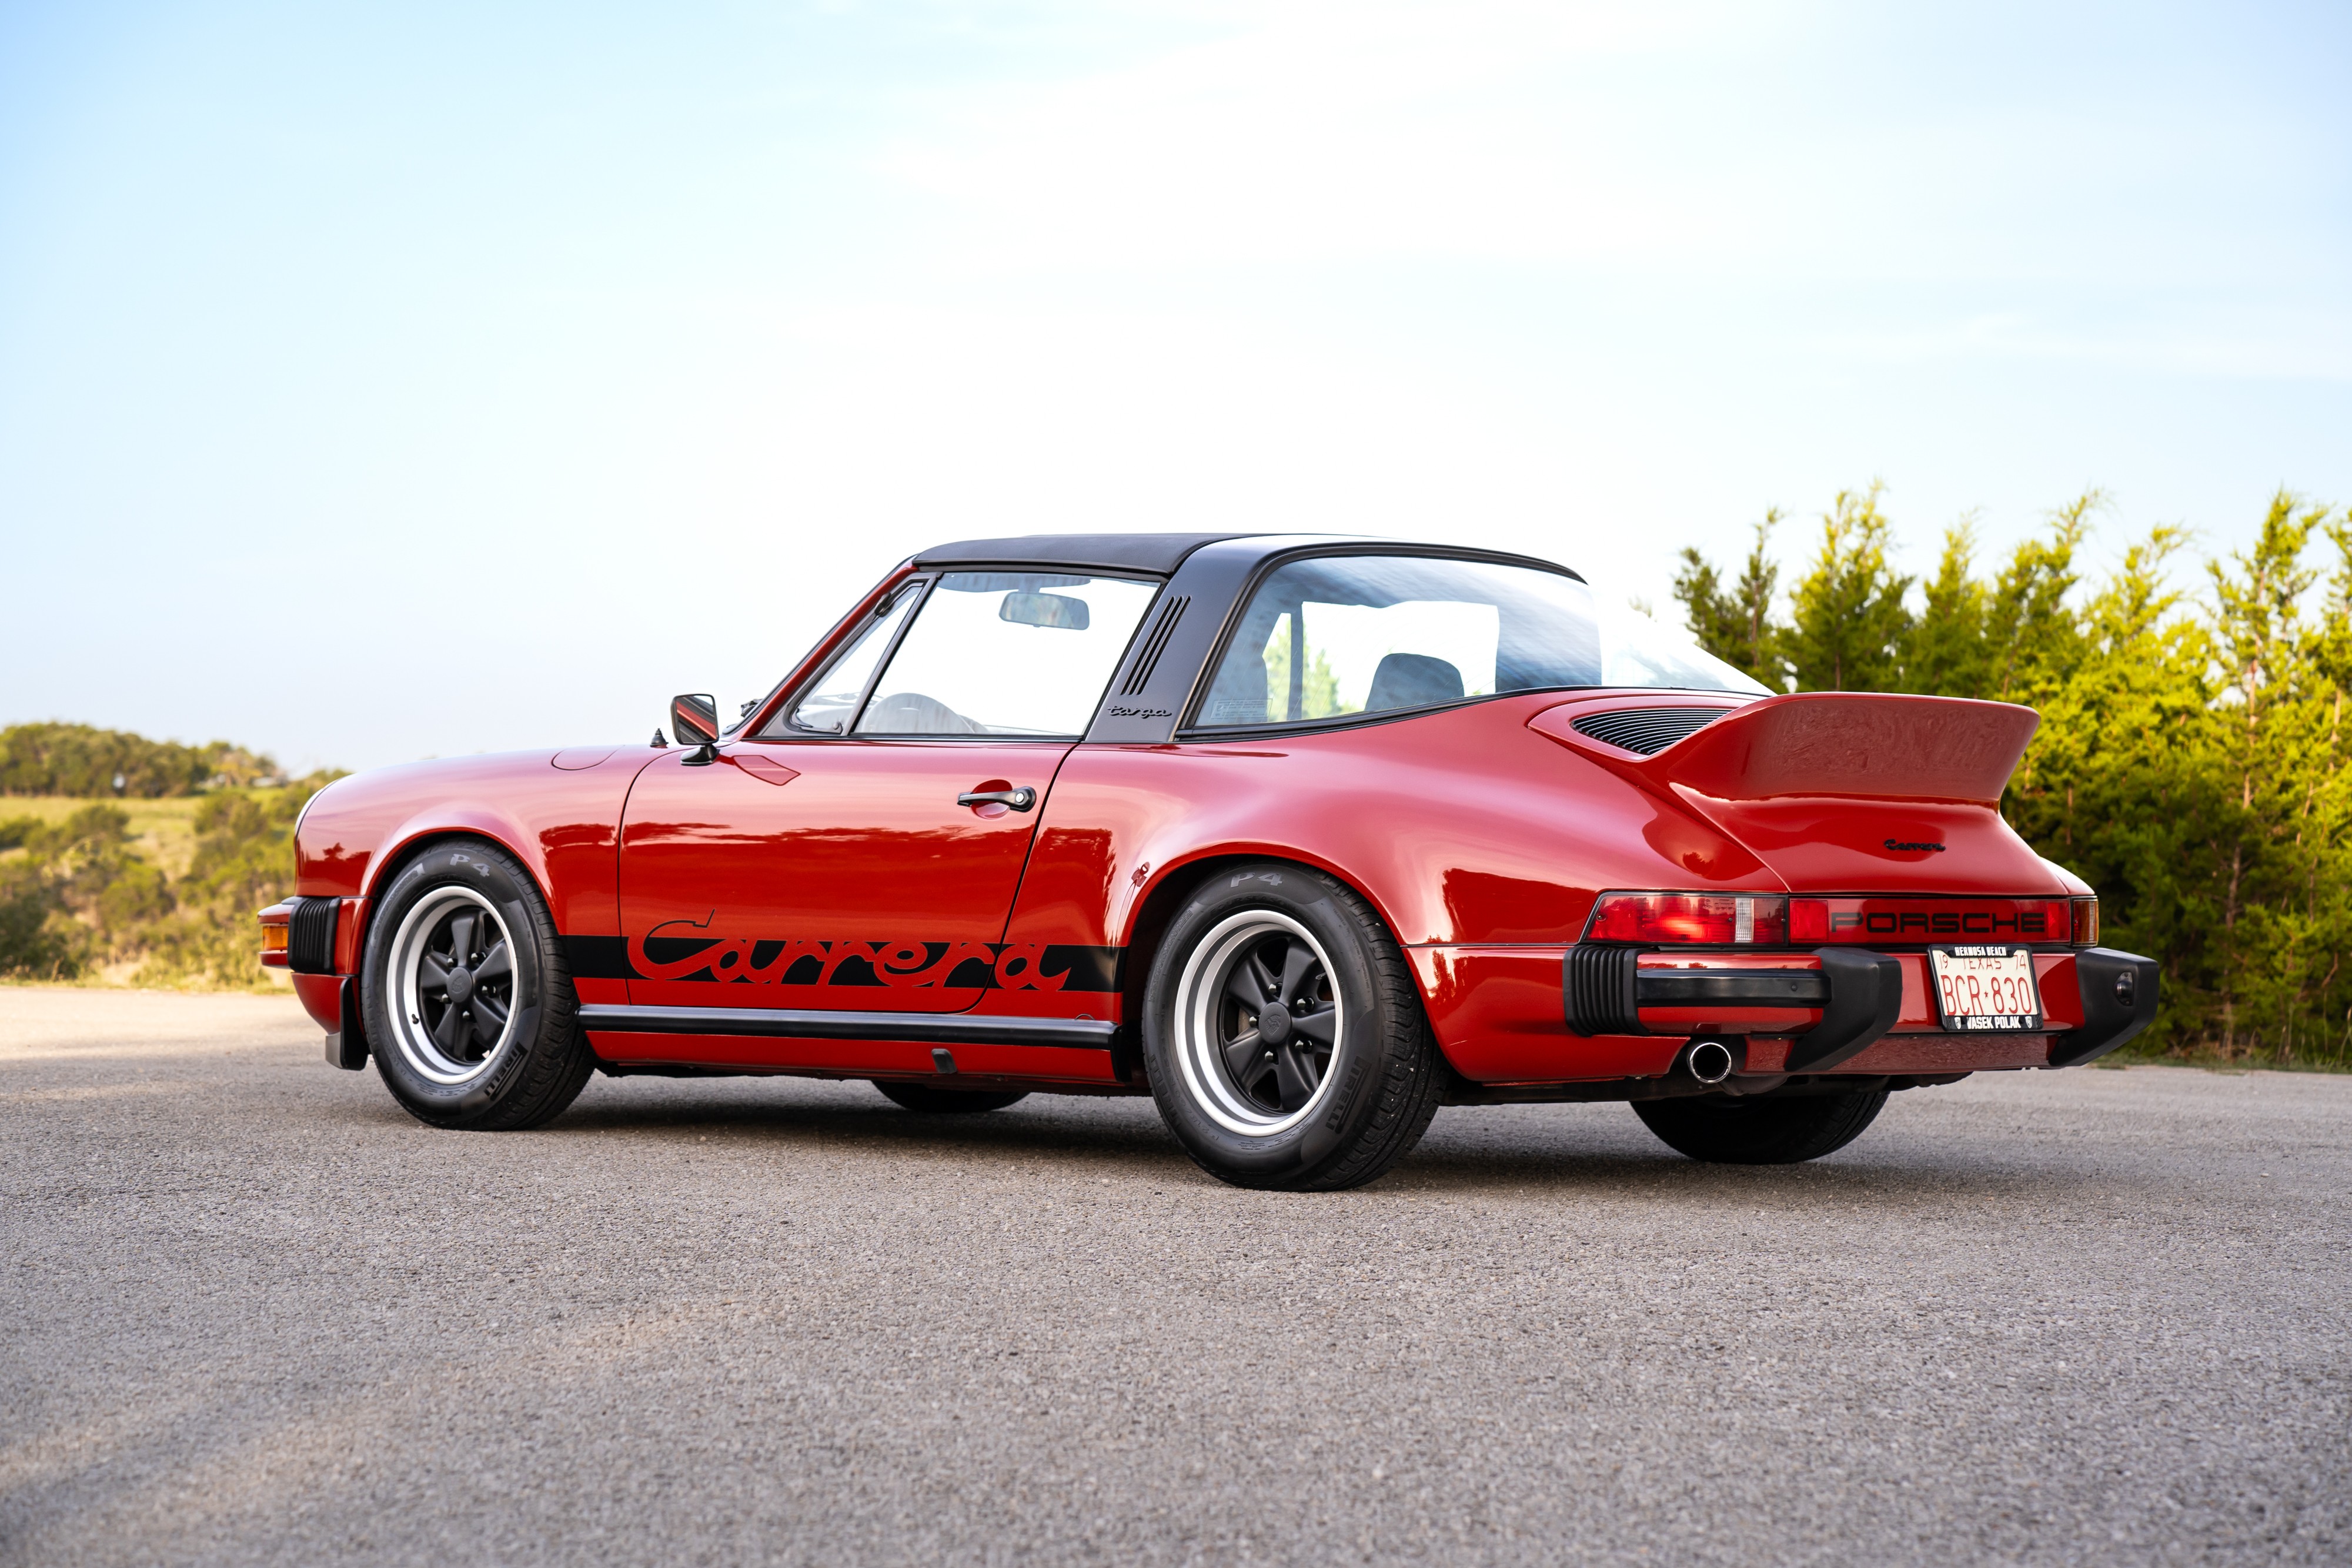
x,y
418,1005
1202,1043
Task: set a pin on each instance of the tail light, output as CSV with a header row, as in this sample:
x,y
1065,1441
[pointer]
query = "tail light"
x,y
1723,919
2086,922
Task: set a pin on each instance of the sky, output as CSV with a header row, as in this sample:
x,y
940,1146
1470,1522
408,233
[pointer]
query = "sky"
x,y
381,381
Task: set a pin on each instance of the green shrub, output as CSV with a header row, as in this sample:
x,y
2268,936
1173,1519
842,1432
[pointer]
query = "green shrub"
x,y
39,941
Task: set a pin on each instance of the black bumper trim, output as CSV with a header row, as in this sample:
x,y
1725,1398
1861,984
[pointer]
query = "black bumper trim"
x,y
2119,995
1597,991
311,935
1735,987
774,1023
1858,992
1865,998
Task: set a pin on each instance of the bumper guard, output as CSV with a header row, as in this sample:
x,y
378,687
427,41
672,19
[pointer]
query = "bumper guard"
x,y
1858,991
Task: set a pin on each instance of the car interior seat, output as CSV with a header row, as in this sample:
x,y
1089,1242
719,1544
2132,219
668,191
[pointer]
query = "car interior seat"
x,y
1412,680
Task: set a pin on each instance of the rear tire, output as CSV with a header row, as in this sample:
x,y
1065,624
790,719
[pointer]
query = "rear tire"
x,y
1285,1036
1730,1130
469,1008
936,1101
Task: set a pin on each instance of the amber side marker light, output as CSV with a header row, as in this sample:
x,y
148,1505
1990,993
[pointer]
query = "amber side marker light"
x,y
2086,922
273,944
1722,919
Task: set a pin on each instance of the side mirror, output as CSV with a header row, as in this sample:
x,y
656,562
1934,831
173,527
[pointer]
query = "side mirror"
x,y
694,719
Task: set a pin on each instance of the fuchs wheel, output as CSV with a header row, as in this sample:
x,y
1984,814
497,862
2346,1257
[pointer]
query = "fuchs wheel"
x,y
937,1102
1284,1034
469,1008
1732,1130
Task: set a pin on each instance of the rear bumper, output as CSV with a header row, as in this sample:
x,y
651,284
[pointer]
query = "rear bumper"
x,y
1835,1003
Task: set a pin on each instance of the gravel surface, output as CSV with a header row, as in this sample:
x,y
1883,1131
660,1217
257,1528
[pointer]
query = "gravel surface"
x,y
253,1313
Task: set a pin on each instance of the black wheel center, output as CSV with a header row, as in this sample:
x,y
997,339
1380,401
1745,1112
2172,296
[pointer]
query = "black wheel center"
x,y
1274,1024
461,985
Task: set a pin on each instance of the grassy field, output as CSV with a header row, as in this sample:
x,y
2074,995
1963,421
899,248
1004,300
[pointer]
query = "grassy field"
x,y
162,832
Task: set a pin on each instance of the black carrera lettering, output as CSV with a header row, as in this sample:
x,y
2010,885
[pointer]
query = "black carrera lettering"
x,y
771,961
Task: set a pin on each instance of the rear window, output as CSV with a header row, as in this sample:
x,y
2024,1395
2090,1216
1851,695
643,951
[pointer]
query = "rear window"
x,y
1340,635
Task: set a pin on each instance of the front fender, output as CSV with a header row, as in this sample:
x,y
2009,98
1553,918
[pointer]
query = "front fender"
x,y
560,822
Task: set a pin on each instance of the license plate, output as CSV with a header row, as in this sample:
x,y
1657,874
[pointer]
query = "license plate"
x,y
1985,990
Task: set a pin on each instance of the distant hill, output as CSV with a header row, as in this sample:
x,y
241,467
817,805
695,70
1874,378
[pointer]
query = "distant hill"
x,y
81,759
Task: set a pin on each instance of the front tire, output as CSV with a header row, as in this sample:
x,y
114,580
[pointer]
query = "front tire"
x,y
1284,1034
1724,1129
469,1008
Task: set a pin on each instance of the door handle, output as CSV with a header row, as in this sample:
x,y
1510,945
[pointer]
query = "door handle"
x,y
1020,800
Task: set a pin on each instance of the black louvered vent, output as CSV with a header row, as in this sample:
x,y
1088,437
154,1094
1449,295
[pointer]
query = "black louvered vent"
x,y
1648,730
1154,643
310,936
1598,988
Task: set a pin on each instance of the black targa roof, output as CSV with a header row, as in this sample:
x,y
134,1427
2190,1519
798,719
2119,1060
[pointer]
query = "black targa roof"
x,y
1157,553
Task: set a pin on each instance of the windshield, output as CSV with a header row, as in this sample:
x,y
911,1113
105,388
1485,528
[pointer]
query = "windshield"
x,y
1339,635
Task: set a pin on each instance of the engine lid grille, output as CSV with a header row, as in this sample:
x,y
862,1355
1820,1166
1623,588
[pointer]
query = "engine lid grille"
x,y
1648,730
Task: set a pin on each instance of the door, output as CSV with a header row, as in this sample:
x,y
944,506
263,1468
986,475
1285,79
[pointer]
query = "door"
x,y
862,852
832,874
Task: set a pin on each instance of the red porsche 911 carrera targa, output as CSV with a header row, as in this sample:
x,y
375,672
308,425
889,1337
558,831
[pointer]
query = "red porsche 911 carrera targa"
x,y
1303,836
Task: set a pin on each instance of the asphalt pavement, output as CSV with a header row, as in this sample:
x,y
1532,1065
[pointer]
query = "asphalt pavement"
x,y
252,1313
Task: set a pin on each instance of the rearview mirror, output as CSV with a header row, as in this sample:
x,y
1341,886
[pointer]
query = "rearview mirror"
x,y
694,719
1058,610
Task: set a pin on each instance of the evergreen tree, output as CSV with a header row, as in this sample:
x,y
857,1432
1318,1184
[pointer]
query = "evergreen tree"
x,y
1851,622
1736,625
2032,637
1946,656
2191,764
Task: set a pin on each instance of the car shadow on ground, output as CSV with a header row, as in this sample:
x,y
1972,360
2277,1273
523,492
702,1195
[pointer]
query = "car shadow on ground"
x,y
1041,1125
1904,1180
1123,1137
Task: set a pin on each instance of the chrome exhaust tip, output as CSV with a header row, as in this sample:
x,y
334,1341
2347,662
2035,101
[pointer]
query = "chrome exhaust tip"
x,y
1708,1060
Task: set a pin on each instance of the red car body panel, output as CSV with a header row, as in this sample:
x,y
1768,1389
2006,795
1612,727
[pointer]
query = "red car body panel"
x,y
840,875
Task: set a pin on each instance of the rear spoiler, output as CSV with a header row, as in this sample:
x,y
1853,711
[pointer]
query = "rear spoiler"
x,y
1868,744
1854,743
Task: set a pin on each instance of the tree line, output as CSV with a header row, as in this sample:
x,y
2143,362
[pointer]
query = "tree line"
x,y
2190,761
79,759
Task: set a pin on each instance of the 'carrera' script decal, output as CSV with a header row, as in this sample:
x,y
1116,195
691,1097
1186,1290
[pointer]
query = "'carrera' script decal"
x,y
684,950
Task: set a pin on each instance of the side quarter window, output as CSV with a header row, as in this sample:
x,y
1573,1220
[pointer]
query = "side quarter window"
x,y
832,703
